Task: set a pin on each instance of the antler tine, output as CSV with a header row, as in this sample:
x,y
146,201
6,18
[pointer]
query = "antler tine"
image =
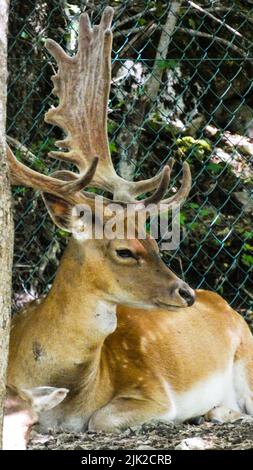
x,y
85,31
144,186
184,189
162,188
22,175
72,187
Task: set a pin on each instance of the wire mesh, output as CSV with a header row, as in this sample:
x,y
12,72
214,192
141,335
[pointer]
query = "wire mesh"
x,y
182,87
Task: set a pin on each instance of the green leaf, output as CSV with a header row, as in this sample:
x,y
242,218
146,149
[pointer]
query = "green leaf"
x,y
167,64
247,260
24,35
248,247
113,147
61,233
142,21
247,234
192,23
182,218
214,167
204,144
204,212
193,205
112,125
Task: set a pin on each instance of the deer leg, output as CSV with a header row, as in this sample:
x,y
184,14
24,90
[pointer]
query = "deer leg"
x,y
123,412
243,373
222,414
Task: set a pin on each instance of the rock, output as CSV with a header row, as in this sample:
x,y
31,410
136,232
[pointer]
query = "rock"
x,y
41,438
192,443
245,200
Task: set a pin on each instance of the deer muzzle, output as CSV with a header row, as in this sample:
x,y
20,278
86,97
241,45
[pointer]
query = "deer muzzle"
x,y
180,295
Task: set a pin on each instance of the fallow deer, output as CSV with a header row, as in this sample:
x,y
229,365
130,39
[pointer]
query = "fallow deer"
x,y
22,412
118,328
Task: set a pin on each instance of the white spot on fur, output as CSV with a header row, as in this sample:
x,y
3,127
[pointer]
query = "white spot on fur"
x,y
144,344
151,335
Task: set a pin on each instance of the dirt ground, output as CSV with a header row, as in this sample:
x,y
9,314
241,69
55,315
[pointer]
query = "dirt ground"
x,y
233,436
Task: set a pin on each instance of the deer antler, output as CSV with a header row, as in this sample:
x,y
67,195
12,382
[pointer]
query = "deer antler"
x,y
182,193
70,190
83,86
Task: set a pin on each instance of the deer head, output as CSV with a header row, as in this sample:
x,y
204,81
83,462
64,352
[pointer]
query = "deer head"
x,y
128,271
21,412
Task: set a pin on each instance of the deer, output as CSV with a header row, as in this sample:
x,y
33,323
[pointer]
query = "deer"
x,y
130,341
22,411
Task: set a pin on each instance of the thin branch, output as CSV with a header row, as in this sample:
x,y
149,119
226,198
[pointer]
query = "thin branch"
x,y
29,156
218,20
224,9
132,18
125,32
246,291
220,8
192,32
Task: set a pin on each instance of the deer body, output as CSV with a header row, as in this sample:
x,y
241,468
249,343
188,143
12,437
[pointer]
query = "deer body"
x,y
155,365
164,354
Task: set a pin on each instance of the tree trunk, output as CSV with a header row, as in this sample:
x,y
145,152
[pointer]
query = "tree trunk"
x,y
6,225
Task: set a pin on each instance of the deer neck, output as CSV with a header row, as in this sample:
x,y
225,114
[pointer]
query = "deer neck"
x,y
77,307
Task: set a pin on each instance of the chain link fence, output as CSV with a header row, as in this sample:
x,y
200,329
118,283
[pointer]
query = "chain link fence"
x,y
182,87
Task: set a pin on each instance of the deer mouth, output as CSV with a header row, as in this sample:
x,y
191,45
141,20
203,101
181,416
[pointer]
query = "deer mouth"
x,y
167,306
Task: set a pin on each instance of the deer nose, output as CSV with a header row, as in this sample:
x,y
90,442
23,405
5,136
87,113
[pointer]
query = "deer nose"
x,y
187,294
183,292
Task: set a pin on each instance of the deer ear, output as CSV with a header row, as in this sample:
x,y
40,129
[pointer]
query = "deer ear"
x,y
44,398
59,210
75,219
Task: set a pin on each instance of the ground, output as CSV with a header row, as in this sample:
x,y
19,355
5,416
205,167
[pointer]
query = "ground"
x,y
233,436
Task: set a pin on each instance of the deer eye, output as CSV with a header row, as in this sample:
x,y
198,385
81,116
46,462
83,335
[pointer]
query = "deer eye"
x,y
125,253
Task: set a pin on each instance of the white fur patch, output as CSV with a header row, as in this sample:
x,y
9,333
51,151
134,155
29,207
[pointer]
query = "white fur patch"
x,y
106,318
215,390
242,388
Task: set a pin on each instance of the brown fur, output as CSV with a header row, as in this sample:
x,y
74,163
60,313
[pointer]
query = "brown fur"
x,y
125,370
